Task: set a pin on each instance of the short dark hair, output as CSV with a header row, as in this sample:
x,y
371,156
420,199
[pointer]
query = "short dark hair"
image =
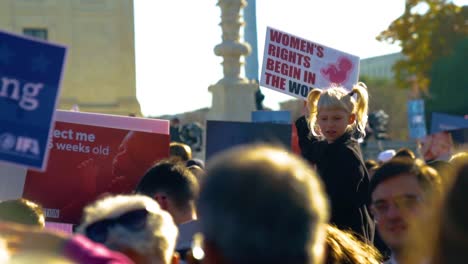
x,y
172,178
180,150
22,211
427,176
250,193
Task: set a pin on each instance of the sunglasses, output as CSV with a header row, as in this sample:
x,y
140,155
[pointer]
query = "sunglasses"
x,y
134,220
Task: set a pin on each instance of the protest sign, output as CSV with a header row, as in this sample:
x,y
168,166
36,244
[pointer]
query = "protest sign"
x,y
92,154
416,121
445,122
30,77
279,117
222,135
294,66
61,227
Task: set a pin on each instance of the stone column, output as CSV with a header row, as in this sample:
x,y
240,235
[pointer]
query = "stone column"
x,y
233,95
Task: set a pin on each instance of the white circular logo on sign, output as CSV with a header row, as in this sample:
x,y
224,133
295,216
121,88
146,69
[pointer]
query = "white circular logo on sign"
x,y
7,141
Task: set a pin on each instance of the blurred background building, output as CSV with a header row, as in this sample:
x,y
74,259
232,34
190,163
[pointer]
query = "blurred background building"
x,y
100,70
379,66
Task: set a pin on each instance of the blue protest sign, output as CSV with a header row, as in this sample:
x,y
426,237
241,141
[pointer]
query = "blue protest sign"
x,y
30,76
279,117
416,121
445,122
222,135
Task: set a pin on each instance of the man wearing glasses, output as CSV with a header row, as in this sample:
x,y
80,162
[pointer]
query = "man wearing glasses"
x,y
402,193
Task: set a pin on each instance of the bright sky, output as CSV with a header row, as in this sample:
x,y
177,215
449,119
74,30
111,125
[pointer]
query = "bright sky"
x,y
175,62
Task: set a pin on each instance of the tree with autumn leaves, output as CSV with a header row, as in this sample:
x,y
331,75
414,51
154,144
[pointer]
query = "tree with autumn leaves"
x,y
433,35
425,38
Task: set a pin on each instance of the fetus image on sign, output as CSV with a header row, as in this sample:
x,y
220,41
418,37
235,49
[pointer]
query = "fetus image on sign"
x,y
338,72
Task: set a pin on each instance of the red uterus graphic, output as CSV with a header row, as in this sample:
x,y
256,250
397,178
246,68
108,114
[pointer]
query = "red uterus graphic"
x,y
338,73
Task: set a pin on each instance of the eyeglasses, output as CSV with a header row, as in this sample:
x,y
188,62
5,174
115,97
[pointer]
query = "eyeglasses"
x,y
404,203
134,220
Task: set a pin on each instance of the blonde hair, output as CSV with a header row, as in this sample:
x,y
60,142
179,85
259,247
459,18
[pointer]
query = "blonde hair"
x,y
22,211
339,97
459,158
159,236
344,247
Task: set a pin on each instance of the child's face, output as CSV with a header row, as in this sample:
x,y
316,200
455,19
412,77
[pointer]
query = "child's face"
x,y
333,122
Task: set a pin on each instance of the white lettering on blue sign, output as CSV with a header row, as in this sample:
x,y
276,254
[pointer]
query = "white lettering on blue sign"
x,y
27,145
20,144
25,95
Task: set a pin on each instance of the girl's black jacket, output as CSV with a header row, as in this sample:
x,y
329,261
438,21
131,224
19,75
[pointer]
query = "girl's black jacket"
x,y
342,170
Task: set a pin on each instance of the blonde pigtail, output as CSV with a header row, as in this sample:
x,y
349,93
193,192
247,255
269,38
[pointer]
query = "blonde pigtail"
x,y
361,107
312,100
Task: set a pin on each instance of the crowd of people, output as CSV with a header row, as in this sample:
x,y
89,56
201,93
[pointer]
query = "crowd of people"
x,y
263,204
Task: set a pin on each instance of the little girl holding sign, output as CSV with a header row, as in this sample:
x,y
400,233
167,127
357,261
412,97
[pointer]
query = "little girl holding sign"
x,y
336,121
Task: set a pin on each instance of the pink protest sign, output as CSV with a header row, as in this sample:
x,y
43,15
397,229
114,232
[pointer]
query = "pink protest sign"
x,y
61,227
92,155
294,66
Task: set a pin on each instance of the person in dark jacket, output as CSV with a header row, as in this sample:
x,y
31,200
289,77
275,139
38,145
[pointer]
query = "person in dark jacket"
x,y
328,138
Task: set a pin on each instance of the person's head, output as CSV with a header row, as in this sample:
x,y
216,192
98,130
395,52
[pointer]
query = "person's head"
x,y
402,190
175,122
459,158
135,154
132,224
261,204
22,211
451,243
198,172
180,151
174,187
445,170
345,248
405,153
335,111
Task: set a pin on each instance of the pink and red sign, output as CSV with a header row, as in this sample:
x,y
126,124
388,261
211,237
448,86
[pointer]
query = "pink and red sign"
x,y
91,155
294,66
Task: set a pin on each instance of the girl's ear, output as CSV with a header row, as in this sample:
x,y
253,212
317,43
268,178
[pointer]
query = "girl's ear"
x,y
352,118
